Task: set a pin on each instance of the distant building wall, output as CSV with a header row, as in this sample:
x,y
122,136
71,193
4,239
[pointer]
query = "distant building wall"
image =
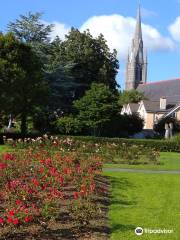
x,y
178,115
149,121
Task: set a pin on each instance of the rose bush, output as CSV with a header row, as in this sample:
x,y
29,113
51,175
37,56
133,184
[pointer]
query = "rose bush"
x,y
125,153
34,182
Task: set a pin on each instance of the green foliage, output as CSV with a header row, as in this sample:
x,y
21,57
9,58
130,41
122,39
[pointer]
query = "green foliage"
x,y
176,138
68,66
22,86
30,29
97,107
69,125
123,126
83,212
40,118
161,145
92,59
166,161
62,87
132,96
160,126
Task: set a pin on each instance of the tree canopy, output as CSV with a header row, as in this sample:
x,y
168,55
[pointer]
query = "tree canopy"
x,y
132,96
30,29
91,58
97,107
21,82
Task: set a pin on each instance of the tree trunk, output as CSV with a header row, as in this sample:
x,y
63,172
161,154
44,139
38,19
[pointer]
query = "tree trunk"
x,y
24,123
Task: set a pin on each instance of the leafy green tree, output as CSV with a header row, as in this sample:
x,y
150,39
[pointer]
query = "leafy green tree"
x,y
62,87
21,81
97,107
132,96
69,125
30,29
91,59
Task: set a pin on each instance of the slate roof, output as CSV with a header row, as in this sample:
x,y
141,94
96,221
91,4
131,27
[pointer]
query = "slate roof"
x,y
154,106
170,89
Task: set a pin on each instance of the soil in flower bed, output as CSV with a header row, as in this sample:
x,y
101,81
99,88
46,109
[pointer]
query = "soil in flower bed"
x,y
64,227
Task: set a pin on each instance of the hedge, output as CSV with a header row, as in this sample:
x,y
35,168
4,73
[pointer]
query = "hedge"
x,y
18,135
160,145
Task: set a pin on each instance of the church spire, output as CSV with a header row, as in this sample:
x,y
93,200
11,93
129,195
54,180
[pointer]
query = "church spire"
x,y
136,70
138,31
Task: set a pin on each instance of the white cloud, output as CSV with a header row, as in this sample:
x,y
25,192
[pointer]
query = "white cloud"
x,y
59,29
174,29
118,31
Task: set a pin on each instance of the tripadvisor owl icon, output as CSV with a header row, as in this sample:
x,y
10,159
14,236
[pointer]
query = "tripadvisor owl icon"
x,y
138,231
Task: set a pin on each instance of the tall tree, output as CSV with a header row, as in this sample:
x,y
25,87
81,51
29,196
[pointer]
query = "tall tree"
x,y
132,96
21,81
31,29
97,107
91,58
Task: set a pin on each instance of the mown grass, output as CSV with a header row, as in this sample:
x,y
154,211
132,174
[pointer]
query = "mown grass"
x,y
168,161
144,200
5,148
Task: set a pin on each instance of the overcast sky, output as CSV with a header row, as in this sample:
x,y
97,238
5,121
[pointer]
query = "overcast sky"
x,y
116,20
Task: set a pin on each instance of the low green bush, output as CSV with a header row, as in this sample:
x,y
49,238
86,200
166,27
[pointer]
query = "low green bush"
x,y
18,135
159,145
176,139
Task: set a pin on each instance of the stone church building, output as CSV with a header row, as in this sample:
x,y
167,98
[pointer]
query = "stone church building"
x,y
163,97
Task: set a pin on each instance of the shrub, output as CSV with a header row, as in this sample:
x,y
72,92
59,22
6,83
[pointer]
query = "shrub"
x,y
160,145
160,127
123,126
176,139
68,125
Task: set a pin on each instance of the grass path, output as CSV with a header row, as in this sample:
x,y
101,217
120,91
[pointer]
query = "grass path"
x,y
144,200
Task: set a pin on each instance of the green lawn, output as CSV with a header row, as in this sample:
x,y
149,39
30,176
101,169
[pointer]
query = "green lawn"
x,y
168,161
4,148
147,201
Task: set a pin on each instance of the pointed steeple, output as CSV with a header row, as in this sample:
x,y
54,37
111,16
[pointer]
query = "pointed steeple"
x,y
136,70
138,31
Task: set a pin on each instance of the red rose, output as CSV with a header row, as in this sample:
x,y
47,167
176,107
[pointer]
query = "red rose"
x,y
76,195
8,156
9,220
11,213
28,219
3,165
16,221
35,182
1,221
18,202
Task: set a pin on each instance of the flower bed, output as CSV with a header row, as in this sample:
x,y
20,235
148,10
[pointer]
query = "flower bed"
x,y
107,150
45,183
